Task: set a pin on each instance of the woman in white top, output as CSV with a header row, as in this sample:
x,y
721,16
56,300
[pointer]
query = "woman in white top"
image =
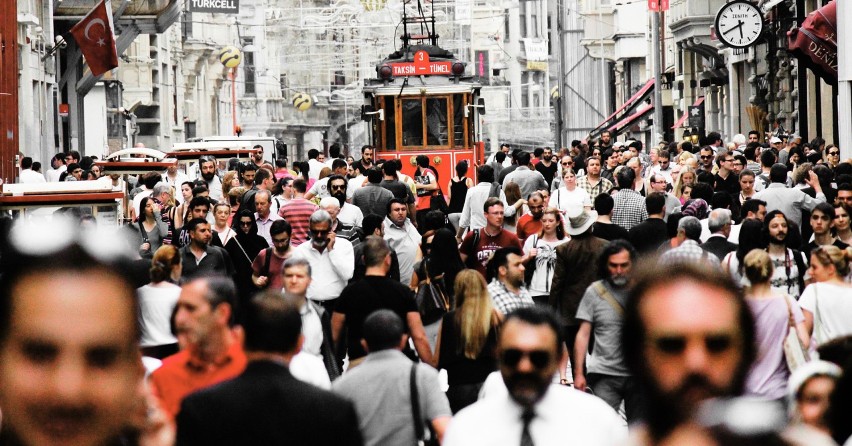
x,y
221,215
157,301
827,303
569,195
540,252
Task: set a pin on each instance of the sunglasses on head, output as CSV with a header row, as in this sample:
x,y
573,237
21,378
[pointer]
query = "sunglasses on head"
x,y
538,358
675,344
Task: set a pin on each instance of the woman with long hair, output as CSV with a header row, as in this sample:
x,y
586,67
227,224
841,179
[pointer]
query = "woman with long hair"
x,y
180,210
442,262
152,229
751,234
457,189
827,302
513,198
467,342
157,301
426,186
773,313
686,178
243,248
540,254
569,195
230,180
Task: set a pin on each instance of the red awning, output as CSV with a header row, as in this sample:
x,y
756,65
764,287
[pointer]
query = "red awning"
x,y
630,120
815,42
686,113
635,99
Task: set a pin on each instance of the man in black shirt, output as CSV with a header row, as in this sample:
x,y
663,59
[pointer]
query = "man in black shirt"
x,y
651,233
604,227
374,292
546,167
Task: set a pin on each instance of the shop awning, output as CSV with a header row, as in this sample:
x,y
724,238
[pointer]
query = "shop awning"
x,y
815,42
625,108
630,120
686,113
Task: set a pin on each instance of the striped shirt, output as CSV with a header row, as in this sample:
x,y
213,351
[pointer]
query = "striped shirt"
x,y
298,213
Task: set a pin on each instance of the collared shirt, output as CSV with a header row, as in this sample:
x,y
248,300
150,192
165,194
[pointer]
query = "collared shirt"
x,y
331,269
29,176
311,329
263,226
602,186
790,201
215,188
473,216
405,240
182,374
54,174
629,208
507,301
689,251
561,414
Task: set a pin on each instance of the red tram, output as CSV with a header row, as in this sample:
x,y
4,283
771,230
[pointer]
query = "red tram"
x,y
421,103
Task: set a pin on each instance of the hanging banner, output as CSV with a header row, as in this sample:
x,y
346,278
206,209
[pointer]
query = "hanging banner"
x,y
815,42
215,6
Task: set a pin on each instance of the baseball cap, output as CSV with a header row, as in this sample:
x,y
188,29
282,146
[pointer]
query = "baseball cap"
x,y
774,140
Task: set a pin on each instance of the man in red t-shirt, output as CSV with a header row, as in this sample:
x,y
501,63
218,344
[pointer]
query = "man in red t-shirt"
x,y
268,267
479,245
530,223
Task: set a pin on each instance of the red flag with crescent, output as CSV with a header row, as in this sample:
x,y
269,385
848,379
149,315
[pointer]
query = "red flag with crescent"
x,y
94,34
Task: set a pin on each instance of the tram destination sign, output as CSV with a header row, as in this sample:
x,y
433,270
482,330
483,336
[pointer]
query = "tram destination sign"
x,y
216,6
422,66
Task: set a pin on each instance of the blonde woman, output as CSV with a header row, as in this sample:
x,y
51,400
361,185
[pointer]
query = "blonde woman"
x,y
467,340
230,180
221,216
772,310
827,303
686,178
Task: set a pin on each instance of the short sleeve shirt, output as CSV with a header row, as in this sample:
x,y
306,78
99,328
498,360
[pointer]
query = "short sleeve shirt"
x,y
607,323
486,246
275,272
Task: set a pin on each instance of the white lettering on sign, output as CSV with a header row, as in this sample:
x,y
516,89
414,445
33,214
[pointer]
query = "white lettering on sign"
x,y
421,69
214,5
439,68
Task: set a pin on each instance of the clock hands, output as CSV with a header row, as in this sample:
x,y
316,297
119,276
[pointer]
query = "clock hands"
x,y
739,26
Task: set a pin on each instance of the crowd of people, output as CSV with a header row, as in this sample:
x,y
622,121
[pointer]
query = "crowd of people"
x,y
695,294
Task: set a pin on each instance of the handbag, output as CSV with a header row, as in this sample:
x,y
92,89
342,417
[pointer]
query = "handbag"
x,y
529,268
425,437
794,351
439,203
432,300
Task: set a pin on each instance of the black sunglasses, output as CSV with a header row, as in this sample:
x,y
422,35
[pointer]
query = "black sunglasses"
x,y
676,345
538,358
834,153
245,223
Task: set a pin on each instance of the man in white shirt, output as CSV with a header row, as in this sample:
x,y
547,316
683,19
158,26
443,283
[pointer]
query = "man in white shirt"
x,y
264,217
472,216
174,178
403,238
330,257
314,165
28,175
534,411
57,164
320,187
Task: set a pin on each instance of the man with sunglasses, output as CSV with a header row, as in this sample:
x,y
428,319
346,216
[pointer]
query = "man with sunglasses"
x,y
706,159
680,356
534,411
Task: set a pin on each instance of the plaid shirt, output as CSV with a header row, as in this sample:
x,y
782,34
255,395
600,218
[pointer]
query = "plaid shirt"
x,y
507,301
689,252
629,208
603,186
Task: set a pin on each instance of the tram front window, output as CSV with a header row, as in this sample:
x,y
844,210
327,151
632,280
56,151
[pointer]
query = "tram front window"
x,y
436,122
412,122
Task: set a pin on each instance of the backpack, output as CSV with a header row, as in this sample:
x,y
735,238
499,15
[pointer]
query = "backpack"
x,y
764,179
471,259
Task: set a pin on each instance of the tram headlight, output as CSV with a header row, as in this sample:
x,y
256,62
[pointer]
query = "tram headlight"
x,y
458,69
385,72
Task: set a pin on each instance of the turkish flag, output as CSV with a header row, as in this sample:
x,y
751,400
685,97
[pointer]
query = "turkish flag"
x,y
94,34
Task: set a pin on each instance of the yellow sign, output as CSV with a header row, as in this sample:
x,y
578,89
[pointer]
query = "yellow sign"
x,y
533,65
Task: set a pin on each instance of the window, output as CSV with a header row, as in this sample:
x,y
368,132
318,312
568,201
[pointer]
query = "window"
x,y
249,68
426,122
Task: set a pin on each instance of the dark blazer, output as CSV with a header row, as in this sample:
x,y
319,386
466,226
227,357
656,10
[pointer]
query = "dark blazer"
x,y
719,246
576,268
648,235
266,405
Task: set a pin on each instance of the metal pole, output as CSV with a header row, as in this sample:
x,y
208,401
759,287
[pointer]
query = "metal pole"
x,y
844,77
234,100
557,97
658,94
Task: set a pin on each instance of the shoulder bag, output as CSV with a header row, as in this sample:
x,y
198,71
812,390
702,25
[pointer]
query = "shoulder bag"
x,y
529,268
607,296
425,437
432,300
794,351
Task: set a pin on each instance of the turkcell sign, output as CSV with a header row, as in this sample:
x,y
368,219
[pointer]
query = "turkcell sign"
x,y
216,6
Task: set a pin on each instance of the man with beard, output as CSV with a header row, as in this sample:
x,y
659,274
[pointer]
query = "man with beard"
x,y
211,349
208,175
257,156
366,160
506,280
592,182
790,264
602,312
534,411
683,357
199,257
331,258
349,214
321,187
66,379
530,223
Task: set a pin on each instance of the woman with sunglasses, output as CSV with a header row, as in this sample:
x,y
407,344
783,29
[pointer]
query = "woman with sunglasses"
x,y
467,340
827,303
773,312
243,248
832,155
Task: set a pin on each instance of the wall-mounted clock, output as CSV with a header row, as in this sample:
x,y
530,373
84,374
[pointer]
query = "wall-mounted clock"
x,y
739,24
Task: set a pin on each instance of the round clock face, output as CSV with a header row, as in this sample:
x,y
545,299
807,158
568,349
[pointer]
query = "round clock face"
x,y
739,24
